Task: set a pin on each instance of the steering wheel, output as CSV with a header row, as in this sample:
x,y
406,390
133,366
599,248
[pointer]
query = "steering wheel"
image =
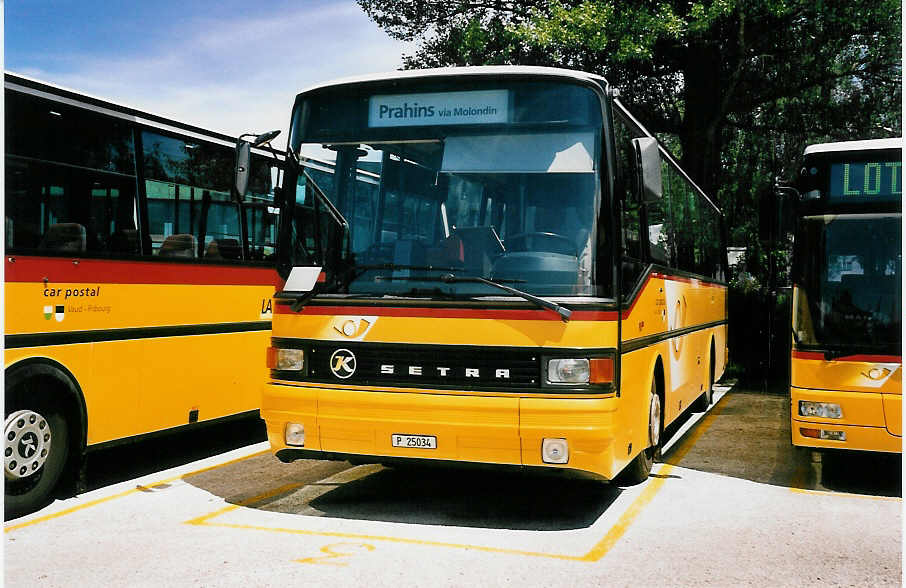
x,y
541,241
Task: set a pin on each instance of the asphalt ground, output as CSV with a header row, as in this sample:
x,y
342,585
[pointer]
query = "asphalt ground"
x,y
731,504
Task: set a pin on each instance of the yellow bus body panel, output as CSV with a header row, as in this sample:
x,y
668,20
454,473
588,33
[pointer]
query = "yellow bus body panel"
x,y
871,406
138,385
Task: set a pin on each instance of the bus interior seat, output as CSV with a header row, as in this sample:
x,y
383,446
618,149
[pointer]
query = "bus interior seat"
x,y
180,245
65,237
223,249
480,246
124,241
448,252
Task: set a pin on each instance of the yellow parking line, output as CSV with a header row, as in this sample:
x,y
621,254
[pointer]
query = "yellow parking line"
x,y
91,503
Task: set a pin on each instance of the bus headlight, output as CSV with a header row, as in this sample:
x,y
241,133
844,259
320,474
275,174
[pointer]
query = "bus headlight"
x,y
568,371
824,410
285,359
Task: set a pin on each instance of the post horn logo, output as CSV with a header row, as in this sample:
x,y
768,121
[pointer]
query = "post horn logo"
x,y
342,363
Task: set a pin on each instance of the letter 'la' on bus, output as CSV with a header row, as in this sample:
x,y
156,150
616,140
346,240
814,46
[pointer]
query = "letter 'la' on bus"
x,y
492,264
846,374
134,304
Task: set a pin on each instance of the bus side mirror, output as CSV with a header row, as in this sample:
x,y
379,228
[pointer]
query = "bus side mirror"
x,y
241,172
775,212
648,164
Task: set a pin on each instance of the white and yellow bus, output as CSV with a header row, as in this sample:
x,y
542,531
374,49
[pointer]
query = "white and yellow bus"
x,y
137,291
494,264
846,365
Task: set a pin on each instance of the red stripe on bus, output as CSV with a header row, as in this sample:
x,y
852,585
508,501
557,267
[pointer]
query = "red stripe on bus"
x,y
422,312
819,355
66,270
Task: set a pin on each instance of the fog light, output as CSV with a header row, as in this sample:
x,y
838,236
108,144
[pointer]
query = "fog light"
x,y
833,435
824,410
295,434
568,371
554,451
289,360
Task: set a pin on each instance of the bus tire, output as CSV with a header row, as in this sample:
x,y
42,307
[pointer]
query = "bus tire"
x,y
704,401
640,467
36,450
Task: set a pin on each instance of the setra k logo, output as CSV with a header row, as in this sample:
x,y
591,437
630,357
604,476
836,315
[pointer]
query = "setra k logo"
x,y
342,363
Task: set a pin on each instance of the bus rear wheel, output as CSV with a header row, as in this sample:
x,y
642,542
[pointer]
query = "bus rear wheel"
x,y
640,467
36,449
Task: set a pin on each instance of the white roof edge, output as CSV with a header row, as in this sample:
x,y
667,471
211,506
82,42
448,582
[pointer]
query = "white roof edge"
x,y
140,114
460,71
866,145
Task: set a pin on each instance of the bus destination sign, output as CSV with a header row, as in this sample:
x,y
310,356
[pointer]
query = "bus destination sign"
x,y
439,108
866,181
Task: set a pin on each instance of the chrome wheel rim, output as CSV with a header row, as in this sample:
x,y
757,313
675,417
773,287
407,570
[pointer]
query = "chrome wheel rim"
x,y
654,421
27,444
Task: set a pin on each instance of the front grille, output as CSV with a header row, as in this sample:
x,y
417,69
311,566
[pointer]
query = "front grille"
x,y
424,365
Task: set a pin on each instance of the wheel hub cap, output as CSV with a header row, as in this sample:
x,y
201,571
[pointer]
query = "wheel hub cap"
x,y
27,444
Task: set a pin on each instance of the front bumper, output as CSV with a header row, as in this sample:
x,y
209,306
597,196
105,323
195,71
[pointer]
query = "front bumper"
x,y
869,420
499,429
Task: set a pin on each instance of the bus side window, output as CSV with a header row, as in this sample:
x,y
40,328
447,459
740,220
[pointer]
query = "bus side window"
x,y
188,194
628,189
70,177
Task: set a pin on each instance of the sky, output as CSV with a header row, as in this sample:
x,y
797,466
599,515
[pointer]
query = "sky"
x,y
231,66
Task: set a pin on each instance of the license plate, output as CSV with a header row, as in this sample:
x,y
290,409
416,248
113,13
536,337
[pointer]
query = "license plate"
x,y
414,441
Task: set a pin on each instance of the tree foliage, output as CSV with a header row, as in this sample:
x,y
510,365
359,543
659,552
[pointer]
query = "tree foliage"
x,y
742,85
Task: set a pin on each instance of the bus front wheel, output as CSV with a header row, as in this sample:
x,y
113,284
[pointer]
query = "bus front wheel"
x,y
36,449
640,467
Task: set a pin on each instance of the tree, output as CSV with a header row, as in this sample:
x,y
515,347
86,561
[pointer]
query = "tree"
x,y
727,78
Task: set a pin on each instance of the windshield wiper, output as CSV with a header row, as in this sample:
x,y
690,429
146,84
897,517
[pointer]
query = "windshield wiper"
x,y
564,313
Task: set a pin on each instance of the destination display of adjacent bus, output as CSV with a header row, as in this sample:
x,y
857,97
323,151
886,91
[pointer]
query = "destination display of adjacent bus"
x,y
866,181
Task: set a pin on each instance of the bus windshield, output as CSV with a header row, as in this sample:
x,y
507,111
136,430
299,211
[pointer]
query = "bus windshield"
x,y
488,188
850,271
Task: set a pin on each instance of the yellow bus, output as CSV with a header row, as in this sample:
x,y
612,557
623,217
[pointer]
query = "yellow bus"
x,y
846,365
133,303
496,265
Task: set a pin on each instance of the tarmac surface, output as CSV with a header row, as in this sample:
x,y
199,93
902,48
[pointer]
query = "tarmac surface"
x,y
731,504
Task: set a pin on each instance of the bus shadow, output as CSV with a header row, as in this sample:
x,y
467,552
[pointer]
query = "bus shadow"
x,y
430,495
434,496
746,435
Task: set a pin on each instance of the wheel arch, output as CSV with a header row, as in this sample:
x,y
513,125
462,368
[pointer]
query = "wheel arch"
x,y
66,386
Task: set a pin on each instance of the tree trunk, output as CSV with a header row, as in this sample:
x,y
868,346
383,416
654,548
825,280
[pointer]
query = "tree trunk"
x,y
703,116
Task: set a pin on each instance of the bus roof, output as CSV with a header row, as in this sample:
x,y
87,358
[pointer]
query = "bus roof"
x,y
479,70
40,88
868,145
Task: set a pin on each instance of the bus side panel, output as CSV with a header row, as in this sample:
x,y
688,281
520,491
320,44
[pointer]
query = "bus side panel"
x,y
158,367
637,373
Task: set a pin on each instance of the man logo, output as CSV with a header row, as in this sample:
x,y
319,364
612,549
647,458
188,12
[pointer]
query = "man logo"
x,y
342,363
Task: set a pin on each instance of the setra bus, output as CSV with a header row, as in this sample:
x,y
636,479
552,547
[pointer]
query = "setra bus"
x,y
846,359
137,290
496,265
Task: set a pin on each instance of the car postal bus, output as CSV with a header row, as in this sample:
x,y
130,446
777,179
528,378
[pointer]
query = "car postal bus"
x,y
846,360
494,264
137,291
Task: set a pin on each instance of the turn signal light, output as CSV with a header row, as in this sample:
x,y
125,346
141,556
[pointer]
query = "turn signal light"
x,y
601,370
823,434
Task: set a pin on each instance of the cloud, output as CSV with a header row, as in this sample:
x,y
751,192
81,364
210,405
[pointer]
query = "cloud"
x,y
235,76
